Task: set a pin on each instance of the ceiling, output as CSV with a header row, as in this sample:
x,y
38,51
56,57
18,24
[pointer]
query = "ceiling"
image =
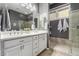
x,y
16,7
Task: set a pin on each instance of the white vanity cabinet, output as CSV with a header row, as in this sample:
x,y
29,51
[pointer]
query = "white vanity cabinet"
x,y
19,47
42,42
14,51
39,43
11,47
35,45
22,50
27,49
25,46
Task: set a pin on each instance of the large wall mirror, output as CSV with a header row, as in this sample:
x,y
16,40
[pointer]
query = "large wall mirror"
x,y
16,16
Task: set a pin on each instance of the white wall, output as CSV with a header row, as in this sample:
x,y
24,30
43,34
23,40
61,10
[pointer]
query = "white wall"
x,y
35,14
43,13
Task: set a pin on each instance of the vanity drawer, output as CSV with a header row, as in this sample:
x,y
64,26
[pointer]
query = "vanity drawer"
x,y
35,37
35,44
24,40
11,43
42,35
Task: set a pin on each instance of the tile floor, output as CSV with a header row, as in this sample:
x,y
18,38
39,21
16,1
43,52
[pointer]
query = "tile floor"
x,y
57,48
50,52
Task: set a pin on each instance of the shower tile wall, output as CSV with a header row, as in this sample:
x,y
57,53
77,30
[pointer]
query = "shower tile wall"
x,y
74,32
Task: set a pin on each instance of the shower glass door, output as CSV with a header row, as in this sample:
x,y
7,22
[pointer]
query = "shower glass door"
x,y
74,32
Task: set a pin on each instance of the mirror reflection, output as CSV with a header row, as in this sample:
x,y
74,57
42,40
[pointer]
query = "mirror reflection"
x,y
16,16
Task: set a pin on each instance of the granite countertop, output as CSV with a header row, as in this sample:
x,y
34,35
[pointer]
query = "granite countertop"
x,y
9,35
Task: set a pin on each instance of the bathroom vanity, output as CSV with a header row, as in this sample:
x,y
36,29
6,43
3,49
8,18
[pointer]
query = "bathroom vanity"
x,y
23,31
23,44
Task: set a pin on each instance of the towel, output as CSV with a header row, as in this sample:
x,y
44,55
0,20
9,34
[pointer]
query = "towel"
x,y
3,20
6,24
60,28
8,20
65,25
